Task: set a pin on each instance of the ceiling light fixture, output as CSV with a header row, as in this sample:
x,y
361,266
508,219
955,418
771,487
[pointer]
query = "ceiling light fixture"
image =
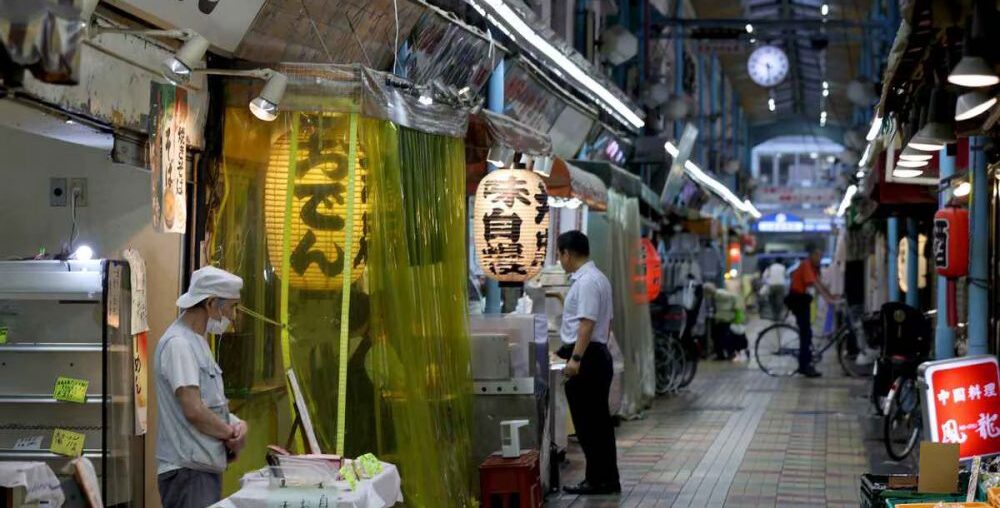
x,y
824,9
826,92
865,156
265,105
846,202
177,68
720,190
962,190
911,154
749,28
859,175
563,62
972,104
940,128
770,104
907,173
911,163
973,71
826,85
874,130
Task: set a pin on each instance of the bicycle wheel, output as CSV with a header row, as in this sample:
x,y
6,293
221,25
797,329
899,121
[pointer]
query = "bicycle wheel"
x,y
679,364
777,350
691,354
667,363
902,424
848,360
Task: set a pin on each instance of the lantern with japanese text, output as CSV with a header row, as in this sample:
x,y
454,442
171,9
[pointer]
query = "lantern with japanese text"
x,y
951,253
318,149
511,224
647,273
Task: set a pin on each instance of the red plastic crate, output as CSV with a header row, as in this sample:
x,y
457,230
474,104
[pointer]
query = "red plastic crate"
x,y
511,483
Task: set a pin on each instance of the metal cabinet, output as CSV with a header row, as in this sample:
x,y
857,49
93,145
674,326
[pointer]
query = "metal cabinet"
x,y
71,319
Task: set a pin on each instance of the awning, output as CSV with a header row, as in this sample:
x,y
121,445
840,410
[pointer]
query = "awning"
x,y
880,198
622,181
488,130
569,181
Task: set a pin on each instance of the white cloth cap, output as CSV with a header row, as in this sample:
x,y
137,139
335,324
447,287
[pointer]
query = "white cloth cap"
x,y
210,282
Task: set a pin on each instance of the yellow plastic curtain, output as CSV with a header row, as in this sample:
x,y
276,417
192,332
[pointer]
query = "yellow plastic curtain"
x,y
350,230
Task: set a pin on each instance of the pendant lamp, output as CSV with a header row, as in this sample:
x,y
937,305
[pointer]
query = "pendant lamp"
x,y
974,71
972,104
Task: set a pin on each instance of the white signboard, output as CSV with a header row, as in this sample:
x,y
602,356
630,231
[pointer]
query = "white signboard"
x,y
222,22
796,196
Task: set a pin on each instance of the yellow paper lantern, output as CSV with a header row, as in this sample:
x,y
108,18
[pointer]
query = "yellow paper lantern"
x,y
319,203
511,224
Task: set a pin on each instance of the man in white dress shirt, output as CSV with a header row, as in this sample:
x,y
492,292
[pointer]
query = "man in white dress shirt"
x,y
586,327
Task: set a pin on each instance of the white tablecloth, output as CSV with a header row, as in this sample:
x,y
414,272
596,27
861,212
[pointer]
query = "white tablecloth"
x,y
37,479
381,491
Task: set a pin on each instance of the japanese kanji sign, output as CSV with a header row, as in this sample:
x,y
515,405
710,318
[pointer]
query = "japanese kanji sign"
x,y
318,150
962,404
511,223
168,142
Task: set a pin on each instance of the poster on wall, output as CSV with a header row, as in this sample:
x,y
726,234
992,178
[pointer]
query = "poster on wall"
x,y
168,113
140,329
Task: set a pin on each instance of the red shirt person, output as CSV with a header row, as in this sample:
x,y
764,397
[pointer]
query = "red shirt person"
x,y
799,301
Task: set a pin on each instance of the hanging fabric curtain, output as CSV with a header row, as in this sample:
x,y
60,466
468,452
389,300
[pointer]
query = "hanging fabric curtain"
x,y
345,217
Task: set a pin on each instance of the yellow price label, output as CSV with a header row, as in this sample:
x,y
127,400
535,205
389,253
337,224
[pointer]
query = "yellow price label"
x,y
71,390
67,442
3,335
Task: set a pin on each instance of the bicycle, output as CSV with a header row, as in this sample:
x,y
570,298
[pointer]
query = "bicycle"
x,y
777,348
677,353
902,424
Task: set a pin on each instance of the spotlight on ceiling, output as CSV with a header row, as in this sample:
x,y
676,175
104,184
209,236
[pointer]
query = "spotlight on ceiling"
x,y
972,104
177,67
265,105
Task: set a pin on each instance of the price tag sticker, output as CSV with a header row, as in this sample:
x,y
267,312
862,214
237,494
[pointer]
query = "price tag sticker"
x,y
28,443
71,390
67,442
3,334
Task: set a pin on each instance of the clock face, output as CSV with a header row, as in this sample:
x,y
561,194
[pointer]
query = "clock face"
x,y
768,66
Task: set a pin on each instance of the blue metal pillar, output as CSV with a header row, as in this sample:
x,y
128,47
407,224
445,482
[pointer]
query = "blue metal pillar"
x,y
893,244
495,102
912,264
701,109
724,135
944,336
978,249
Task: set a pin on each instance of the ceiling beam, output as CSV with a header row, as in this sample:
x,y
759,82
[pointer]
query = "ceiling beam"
x,y
764,25
792,50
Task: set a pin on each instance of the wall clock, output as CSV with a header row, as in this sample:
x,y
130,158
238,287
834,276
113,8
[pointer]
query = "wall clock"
x,y
768,66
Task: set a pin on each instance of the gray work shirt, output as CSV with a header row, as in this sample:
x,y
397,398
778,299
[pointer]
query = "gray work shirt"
x,y
183,358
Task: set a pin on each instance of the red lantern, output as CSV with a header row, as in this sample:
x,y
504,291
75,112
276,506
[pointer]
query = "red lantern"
x,y
951,251
654,270
734,253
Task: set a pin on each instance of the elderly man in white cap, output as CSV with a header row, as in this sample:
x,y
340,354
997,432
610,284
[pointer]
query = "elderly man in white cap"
x,y
197,435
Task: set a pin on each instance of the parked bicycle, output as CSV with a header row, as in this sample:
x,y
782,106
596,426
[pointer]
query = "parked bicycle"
x,y
676,353
777,347
907,345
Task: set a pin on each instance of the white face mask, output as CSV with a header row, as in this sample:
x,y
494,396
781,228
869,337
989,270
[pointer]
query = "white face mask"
x,y
217,326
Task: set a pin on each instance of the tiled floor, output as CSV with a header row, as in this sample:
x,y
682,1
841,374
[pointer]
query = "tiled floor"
x,y
738,438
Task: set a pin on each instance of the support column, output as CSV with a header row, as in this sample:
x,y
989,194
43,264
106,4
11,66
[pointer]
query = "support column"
x,y
944,336
713,137
893,271
495,102
678,66
701,109
912,264
978,319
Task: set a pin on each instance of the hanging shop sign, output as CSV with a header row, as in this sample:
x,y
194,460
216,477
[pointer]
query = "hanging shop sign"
x,y
168,117
314,195
780,223
961,403
222,22
795,196
511,224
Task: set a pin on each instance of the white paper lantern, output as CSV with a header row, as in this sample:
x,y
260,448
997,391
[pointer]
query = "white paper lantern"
x,y
511,224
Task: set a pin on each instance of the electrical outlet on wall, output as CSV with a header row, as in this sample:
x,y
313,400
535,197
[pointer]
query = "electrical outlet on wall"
x,y
58,192
78,187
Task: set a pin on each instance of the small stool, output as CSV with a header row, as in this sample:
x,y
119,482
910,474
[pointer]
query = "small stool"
x,y
511,483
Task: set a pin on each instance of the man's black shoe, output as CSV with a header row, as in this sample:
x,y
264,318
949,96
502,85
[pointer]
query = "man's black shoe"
x,y
586,488
812,373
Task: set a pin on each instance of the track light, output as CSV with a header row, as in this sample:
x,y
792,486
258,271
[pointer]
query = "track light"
x,y
972,104
177,68
265,105
912,154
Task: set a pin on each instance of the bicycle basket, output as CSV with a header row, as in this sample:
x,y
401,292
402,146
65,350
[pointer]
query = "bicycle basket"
x,y
905,331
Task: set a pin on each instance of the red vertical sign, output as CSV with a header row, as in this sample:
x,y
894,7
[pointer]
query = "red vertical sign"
x,y
963,404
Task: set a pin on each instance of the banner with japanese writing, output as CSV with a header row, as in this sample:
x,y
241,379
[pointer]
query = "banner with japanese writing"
x,y
962,404
168,113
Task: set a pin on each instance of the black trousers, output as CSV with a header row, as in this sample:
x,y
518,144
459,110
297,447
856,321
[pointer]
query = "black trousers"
x,y
187,488
587,394
801,306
